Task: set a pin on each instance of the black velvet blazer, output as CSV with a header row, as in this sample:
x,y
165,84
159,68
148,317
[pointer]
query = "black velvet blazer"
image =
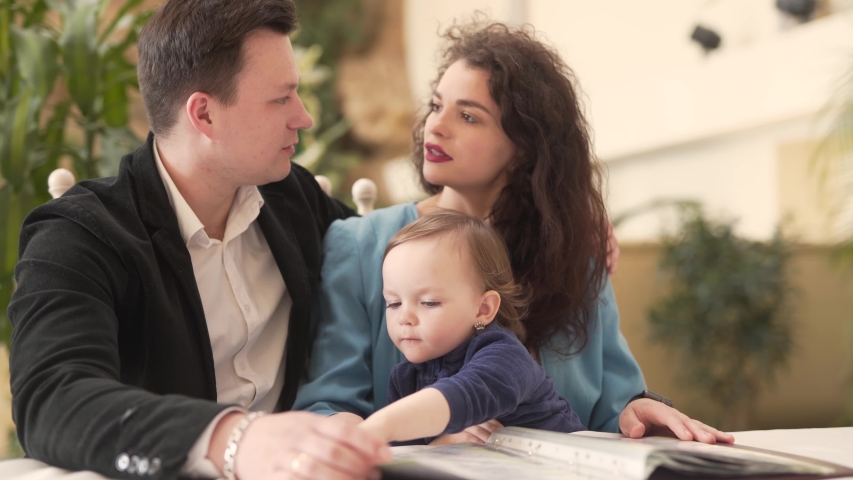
x,y
111,363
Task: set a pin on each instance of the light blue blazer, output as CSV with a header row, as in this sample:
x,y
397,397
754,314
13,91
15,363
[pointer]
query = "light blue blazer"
x,y
353,354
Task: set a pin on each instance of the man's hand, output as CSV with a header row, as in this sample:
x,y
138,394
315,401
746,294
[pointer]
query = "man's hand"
x,y
476,434
646,417
304,445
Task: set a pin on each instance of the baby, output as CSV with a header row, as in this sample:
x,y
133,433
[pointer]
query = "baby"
x,y
454,311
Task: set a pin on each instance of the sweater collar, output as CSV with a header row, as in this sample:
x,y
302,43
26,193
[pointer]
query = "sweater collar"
x,y
454,358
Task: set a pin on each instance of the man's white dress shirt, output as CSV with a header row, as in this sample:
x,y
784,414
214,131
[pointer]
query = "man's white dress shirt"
x,y
246,306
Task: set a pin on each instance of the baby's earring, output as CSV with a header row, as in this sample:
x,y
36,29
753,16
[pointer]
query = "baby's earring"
x,y
479,326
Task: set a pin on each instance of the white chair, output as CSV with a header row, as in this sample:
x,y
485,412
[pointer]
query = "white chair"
x,y
364,194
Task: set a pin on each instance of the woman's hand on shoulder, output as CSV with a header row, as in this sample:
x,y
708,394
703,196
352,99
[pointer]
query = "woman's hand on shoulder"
x,y
647,417
475,434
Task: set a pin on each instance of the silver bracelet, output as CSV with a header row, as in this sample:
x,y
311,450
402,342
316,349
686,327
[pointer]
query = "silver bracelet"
x,y
230,454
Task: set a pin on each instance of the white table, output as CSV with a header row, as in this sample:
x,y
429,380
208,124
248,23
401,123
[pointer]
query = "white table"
x,y
828,444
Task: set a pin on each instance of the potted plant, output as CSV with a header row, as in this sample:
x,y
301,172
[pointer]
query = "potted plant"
x,y
64,83
725,314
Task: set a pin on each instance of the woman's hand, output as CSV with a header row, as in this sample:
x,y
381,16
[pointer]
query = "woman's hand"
x,y
646,417
476,434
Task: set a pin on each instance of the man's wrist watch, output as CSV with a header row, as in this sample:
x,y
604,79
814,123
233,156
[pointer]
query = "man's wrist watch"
x,y
652,395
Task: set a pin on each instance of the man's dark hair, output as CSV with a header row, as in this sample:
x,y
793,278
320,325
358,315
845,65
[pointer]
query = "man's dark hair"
x,y
197,46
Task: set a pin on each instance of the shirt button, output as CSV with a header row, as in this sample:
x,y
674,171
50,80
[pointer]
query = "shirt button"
x,y
122,462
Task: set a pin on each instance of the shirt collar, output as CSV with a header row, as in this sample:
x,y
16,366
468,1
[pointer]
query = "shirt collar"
x,y
245,209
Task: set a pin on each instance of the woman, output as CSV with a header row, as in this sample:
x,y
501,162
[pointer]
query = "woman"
x,y
504,140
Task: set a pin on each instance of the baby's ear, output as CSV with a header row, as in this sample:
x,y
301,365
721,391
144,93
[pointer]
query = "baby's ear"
x,y
489,305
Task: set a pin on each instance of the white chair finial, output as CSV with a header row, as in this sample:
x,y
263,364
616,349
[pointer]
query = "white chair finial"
x,y
364,194
325,184
59,181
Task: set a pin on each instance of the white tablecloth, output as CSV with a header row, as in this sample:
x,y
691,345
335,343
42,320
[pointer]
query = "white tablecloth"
x,y
828,444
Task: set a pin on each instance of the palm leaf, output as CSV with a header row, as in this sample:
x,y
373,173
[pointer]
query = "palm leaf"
x,y
36,55
115,100
35,15
115,143
117,49
122,19
19,121
5,40
80,55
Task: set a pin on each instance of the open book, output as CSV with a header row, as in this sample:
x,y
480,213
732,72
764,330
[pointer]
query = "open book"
x,y
517,453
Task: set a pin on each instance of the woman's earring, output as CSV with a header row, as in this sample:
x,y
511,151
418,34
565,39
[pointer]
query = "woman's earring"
x,y
479,326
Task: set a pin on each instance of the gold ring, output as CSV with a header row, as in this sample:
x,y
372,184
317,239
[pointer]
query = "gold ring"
x,y
297,461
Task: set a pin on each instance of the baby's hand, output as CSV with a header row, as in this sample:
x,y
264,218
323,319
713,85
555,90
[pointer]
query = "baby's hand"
x,y
475,434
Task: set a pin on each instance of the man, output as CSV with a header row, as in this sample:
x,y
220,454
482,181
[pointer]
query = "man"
x,y
145,299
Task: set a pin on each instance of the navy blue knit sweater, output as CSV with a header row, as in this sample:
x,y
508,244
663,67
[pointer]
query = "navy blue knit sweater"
x,y
491,376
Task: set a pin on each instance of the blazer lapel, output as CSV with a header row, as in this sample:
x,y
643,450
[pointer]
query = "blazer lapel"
x,y
278,231
157,213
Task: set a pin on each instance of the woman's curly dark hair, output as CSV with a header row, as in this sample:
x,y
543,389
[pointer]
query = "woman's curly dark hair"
x,y
551,214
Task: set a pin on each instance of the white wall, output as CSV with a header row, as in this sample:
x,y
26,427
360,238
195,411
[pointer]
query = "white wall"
x,y
426,18
668,119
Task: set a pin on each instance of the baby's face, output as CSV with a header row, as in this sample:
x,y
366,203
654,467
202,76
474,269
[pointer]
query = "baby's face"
x,y
432,297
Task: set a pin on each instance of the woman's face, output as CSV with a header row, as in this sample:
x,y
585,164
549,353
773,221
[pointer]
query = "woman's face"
x,y
465,147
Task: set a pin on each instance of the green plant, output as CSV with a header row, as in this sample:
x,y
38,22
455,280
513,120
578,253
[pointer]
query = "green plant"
x,y
328,30
64,81
313,147
331,28
725,314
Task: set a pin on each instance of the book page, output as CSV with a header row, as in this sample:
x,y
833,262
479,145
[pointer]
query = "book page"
x,y
512,453
479,462
695,457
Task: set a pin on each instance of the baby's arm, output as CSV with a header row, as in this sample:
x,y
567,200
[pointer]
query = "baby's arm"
x,y
425,413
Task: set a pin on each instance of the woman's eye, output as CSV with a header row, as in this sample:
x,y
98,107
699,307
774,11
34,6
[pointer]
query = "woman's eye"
x,y
392,305
468,118
430,304
282,101
434,106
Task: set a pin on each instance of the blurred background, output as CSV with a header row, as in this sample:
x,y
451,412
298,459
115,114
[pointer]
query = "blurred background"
x,y
725,128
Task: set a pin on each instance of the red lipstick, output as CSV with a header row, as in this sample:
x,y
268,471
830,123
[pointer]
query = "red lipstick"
x,y
434,153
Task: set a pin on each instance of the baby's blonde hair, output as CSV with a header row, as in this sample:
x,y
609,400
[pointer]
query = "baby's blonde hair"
x,y
487,249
